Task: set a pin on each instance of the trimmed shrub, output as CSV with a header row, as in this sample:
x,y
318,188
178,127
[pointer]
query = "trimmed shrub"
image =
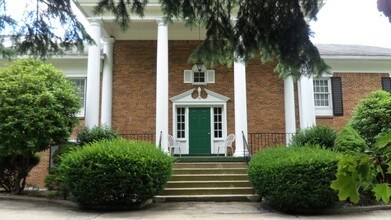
x,y
116,174
317,135
349,141
372,116
89,135
295,179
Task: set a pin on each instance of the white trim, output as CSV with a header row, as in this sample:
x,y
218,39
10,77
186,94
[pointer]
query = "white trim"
x,y
363,65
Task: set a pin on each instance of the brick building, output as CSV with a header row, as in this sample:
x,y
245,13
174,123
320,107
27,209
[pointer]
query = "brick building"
x,y
140,83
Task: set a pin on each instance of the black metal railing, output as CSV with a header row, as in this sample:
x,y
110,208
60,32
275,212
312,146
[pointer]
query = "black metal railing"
x,y
247,157
148,137
258,141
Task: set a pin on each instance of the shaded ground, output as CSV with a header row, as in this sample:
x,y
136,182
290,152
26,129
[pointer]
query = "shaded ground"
x,y
16,207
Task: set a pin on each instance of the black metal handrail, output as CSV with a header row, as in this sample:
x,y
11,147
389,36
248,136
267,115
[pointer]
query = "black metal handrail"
x,y
160,140
247,157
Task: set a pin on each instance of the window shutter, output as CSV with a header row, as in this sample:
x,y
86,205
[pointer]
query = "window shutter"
x,y
386,83
187,76
210,76
336,87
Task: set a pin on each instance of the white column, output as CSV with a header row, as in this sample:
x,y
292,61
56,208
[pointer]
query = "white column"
x,y
306,102
240,108
107,82
93,76
289,103
162,86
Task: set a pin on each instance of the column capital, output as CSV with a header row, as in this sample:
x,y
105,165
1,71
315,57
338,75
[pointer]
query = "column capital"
x,y
108,40
95,21
160,22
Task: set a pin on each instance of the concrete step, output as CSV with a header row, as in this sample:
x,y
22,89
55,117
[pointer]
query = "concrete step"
x,y
215,198
208,191
208,181
211,165
208,177
209,171
199,184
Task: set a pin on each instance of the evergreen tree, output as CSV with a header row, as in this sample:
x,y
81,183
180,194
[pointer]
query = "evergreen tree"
x,y
275,30
47,27
385,7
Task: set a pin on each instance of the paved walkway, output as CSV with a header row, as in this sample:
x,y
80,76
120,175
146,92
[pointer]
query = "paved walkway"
x,y
41,209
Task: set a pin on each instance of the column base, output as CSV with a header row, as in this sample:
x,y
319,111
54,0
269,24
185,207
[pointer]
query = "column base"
x,y
241,153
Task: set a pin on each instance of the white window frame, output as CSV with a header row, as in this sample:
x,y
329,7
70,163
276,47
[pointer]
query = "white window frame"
x,y
183,123
81,112
324,110
217,122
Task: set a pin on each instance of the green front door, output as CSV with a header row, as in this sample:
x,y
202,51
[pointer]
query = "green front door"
x,y
199,131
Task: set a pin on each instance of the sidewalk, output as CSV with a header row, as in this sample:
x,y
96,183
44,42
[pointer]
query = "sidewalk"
x,y
20,208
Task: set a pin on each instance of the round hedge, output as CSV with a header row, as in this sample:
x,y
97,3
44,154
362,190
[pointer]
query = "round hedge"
x,y
317,135
349,141
295,179
116,174
372,116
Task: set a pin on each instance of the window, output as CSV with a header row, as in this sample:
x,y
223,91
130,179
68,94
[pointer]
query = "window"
x,y
180,122
196,77
80,84
322,96
199,77
321,93
218,122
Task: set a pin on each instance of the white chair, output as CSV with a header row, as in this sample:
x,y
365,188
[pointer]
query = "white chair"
x,y
227,144
172,144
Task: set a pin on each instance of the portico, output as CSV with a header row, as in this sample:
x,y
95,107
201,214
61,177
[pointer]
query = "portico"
x,y
100,90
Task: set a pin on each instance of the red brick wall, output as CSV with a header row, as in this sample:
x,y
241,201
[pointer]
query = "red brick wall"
x,y
135,85
355,86
37,175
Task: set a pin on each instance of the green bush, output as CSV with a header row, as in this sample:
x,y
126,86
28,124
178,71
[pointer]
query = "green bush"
x,y
38,107
372,116
317,135
295,179
349,141
89,135
116,174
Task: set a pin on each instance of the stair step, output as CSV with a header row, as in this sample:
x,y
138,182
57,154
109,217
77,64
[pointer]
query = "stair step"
x,y
215,198
210,159
211,183
209,171
209,177
208,191
211,165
